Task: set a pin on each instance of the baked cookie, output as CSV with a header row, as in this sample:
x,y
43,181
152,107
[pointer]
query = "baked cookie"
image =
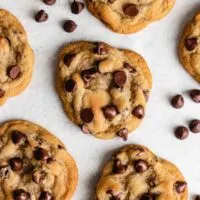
x,y
104,90
16,57
34,164
189,48
135,173
129,16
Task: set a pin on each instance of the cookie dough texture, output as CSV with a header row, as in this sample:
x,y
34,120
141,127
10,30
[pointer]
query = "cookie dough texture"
x,y
16,57
130,16
134,172
104,90
189,48
34,164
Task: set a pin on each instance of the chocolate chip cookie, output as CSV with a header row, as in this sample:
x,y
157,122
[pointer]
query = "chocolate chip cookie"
x,y
104,90
189,49
136,173
129,16
16,57
34,164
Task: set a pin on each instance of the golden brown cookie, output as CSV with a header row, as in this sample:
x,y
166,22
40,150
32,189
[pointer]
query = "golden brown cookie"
x,y
189,49
34,164
129,16
104,90
134,172
16,57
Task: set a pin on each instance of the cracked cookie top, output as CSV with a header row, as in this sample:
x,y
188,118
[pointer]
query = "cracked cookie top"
x,y
104,90
34,165
136,173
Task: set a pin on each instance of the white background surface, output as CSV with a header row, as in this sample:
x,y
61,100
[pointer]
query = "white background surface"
x,y
157,43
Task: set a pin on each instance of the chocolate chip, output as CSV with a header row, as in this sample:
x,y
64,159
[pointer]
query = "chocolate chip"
x,y
49,2
39,176
123,133
147,196
41,154
129,67
146,94
18,137
60,146
120,78
16,163
41,16
140,166
45,196
118,167
195,95
14,72
69,26
21,194
70,85
180,186
195,126
181,132
101,49
88,74
130,10
85,129
4,172
2,92
197,197
87,115
138,112
177,101
190,43
68,59
77,7
110,112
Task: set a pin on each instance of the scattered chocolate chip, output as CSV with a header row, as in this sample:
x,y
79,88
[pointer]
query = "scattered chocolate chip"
x,y
41,154
18,137
88,74
41,16
195,95
180,186
197,197
14,72
60,146
49,2
138,112
69,26
85,129
130,10
118,167
87,115
181,132
21,194
110,112
28,168
129,67
146,94
39,176
177,101
123,133
101,49
68,59
45,196
4,172
2,92
50,160
70,85
190,43
195,126
120,78
148,196
140,166
77,7
16,163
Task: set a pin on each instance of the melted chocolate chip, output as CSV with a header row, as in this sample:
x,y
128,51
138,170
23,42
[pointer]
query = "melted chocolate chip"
x,y
120,78
21,194
87,115
139,112
140,166
49,2
45,196
195,126
195,95
39,176
41,154
41,16
18,137
2,92
77,7
130,68
110,112
181,132
180,186
190,43
118,167
123,133
177,101
197,197
68,59
70,85
14,72
147,196
130,10
69,26
85,129
88,74
4,172
101,49
16,163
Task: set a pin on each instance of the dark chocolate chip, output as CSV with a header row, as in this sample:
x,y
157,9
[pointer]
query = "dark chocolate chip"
x,y
181,132
140,166
110,112
77,7
16,163
190,43
60,146
147,196
18,137
129,67
197,197
21,194
39,176
138,112
180,186
120,78
68,59
195,126
49,2
101,49
177,101
45,196
2,92
4,171
123,133
88,74
70,85
85,129
69,26
87,115
118,167
195,95
41,154
130,10
14,72
41,16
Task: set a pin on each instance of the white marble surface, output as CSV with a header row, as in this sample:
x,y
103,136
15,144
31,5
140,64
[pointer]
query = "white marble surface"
x,y
157,43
